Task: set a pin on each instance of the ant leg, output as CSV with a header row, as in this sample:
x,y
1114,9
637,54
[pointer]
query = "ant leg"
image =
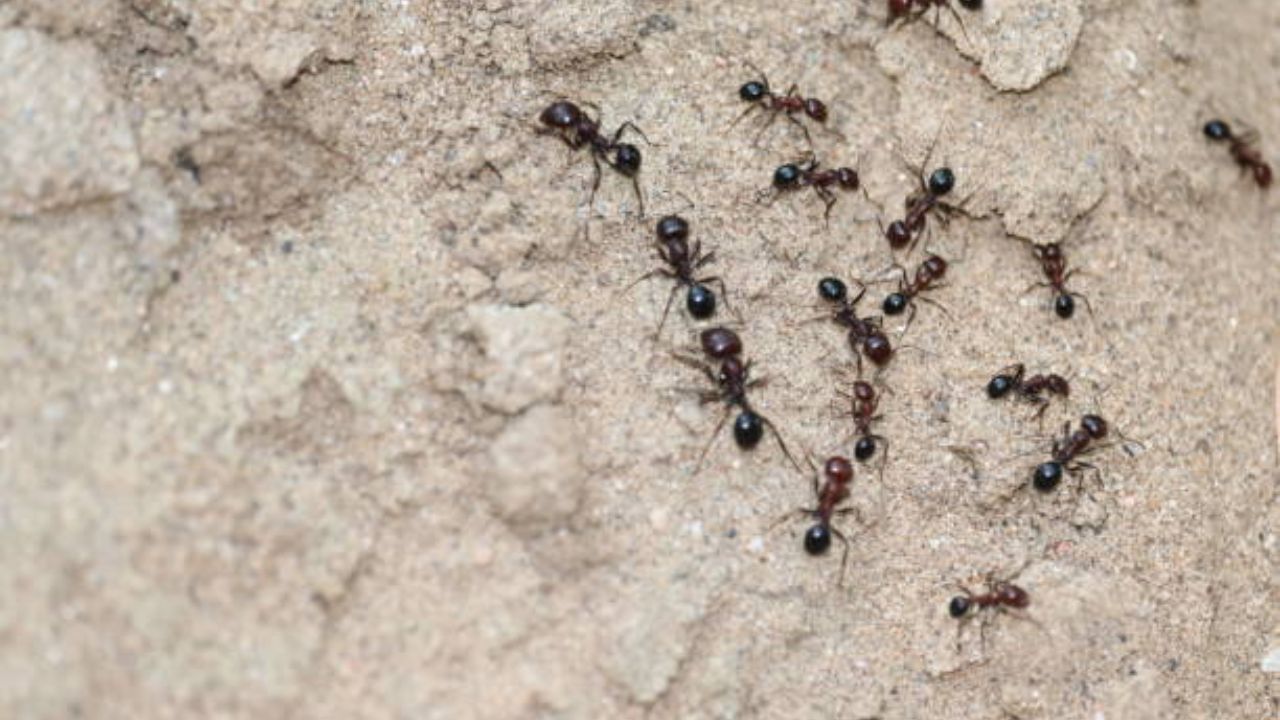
x,y
935,303
959,22
724,417
884,456
829,199
698,365
803,128
1087,305
773,116
635,185
911,315
763,78
844,557
724,294
802,512
781,444
754,107
595,183
671,296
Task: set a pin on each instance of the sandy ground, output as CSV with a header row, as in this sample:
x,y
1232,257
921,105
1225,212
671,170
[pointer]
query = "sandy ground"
x,y
309,413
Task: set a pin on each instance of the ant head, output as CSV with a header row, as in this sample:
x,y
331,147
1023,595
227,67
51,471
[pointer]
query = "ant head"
x,y
1217,130
561,114
959,606
942,181
895,303
898,8
847,177
815,109
1064,305
1094,425
817,540
786,175
673,227
720,343
832,289
837,469
999,386
898,234
748,427
701,301
877,349
864,448
1262,174
1047,476
627,159
753,91
971,4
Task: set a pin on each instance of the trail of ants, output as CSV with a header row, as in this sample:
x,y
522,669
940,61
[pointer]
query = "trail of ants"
x,y
578,129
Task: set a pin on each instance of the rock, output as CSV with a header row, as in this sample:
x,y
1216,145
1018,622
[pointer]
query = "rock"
x,y
66,139
536,476
523,348
1026,41
282,57
558,39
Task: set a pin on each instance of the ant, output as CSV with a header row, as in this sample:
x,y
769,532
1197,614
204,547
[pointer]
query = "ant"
x,y
908,10
1066,449
926,199
792,176
865,334
931,270
837,473
672,244
1033,389
1242,150
1001,595
732,380
1054,264
578,129
863,403
757,93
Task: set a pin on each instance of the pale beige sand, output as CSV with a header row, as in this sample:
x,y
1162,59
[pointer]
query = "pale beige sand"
x,y
308,413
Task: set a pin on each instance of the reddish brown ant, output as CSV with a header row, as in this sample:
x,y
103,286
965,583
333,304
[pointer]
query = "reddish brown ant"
x,y
672,243
1243,150
837,473
761,97
792,176
911,10
930,271
732,379
578,129
863,402
1001,595
1066,451
1053,262
865,334
920,204
1034,389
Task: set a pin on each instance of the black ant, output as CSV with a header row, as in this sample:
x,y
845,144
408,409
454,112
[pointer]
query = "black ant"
x,y
682,262
930,271
757,93
863,403
792,176
1066,450
1242,150
732,380
1054,264
865,334
837,473
578,129
1033,389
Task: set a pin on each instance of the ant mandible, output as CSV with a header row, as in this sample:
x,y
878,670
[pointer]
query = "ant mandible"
x,y
732,379
792,176
930,271
1053,262
837,473
1066,450
1034,389
672,243
1242,150
761,97
865,334
578,129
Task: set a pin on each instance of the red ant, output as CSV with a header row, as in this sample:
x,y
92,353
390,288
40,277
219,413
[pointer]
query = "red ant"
x,y
930,271
791,176
732,380
909,10
757,93
865,334
863,403
1242,150
578,129
1001,595
1067,449
1033,389
837,473
672,244
925,200
1054,264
